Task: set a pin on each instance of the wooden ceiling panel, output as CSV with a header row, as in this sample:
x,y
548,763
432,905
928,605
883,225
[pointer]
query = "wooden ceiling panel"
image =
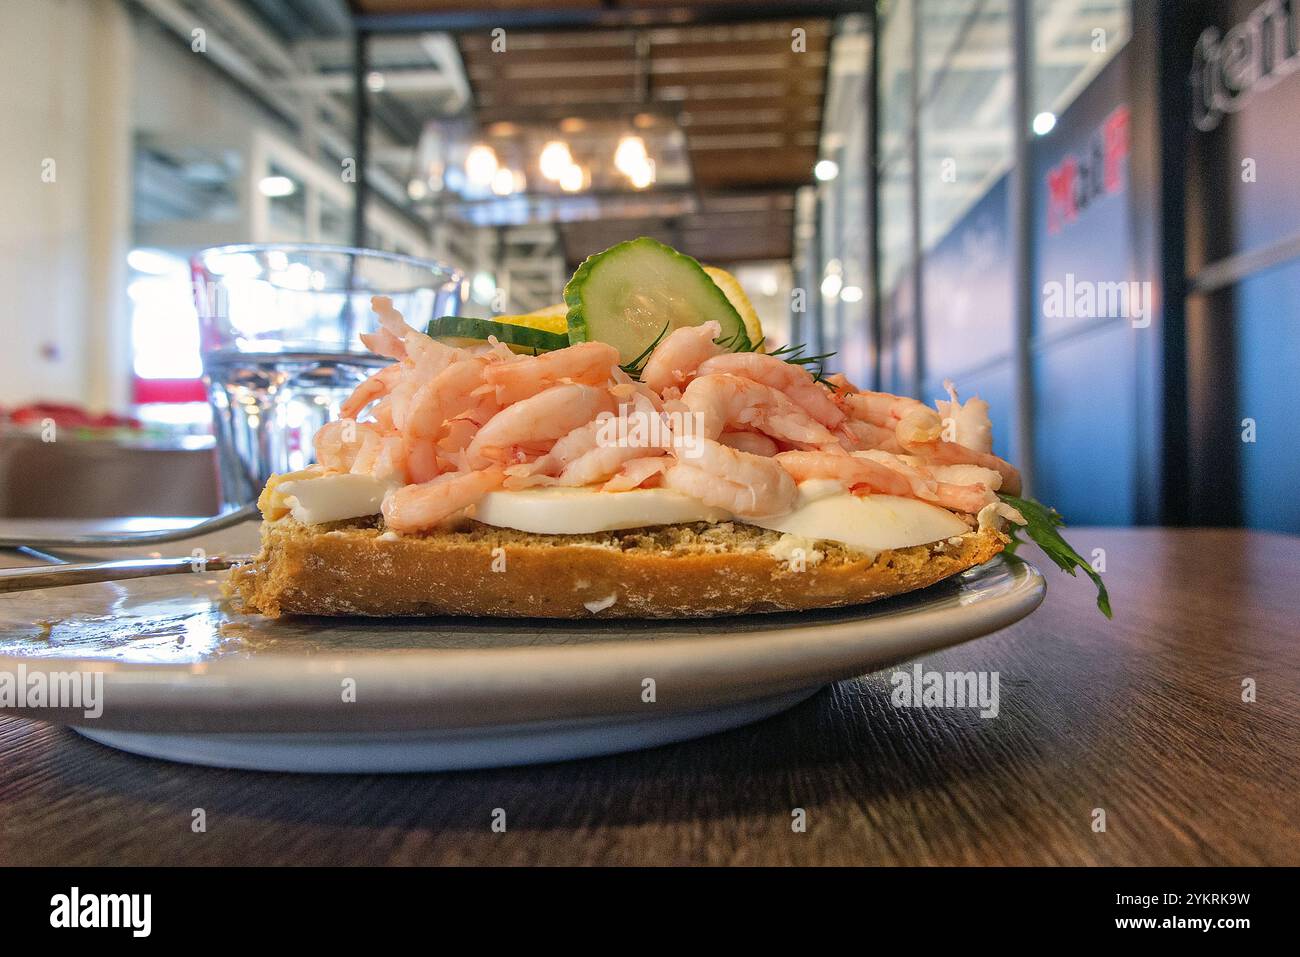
x,y
747,97
728,227
717,169
458,6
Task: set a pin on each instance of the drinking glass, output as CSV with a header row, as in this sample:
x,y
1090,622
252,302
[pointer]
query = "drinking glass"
x,y
280,335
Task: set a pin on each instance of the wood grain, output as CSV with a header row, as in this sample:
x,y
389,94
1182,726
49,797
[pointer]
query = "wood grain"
x,y
1142,717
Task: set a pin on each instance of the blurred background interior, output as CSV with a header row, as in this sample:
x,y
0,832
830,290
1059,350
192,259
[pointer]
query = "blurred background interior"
x,y
1084,210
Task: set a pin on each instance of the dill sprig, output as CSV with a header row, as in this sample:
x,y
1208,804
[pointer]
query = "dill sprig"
x,y
634,367
815,364
795,355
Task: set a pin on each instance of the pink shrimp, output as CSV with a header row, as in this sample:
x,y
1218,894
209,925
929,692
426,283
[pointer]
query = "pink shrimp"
x,y
381,415
936,451
637,473
840,383
926,486
421,460
601,463
391,462
456,434
881,408
570,447
526,475
375,387
722,399
633,427
417,508
397,340
968,421
857,435
546,416
387,339
922,435
588,363
853,471
371,445
726,478
383,455
675,360
787,377
383,343
337,443
445,396
626,388
755,443
918,430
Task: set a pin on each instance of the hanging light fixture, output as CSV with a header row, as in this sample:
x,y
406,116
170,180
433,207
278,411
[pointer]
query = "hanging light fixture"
x,y
503,181
643,175
573,178
555,158
481,164
633,160
630,156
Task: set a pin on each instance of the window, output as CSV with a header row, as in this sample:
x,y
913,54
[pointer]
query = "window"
x,y
166,367
1073,40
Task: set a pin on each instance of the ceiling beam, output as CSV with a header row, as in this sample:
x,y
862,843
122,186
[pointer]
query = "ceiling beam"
x,y
567,18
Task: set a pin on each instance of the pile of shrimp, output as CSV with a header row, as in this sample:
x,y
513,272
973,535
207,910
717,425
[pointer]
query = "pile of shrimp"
x,y
449,425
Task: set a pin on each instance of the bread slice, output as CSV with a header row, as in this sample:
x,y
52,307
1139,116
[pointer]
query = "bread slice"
x,y
671,571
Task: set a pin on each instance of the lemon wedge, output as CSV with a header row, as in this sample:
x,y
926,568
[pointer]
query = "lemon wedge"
x,y
740,302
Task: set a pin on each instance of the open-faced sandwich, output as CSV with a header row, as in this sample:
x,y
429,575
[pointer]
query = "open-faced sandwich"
x,y
633,453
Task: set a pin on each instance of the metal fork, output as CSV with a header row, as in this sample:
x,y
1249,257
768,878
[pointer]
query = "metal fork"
x,y
126,539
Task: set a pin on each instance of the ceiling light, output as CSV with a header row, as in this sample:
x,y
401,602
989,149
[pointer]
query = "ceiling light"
x,y
643,175
375,81
481,164
831,285
555,159
417,189
572,179
1044,123
826,170
630,156
503,181
851,294
276,186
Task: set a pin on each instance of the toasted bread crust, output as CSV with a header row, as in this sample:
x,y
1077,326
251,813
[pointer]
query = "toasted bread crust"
x,y
678,571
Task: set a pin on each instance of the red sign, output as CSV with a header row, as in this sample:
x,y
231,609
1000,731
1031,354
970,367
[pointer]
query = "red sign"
x,y
1079,179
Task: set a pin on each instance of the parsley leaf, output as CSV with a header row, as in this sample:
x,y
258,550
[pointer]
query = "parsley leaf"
x,y
1042,528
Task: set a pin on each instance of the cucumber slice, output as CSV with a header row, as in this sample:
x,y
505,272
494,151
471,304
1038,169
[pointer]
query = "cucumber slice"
x,y
465,331
634,292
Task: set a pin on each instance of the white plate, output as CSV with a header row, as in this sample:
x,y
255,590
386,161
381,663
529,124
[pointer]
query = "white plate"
x,y
184,678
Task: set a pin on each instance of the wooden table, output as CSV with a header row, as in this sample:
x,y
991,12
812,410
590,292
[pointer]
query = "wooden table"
x,y
1142,717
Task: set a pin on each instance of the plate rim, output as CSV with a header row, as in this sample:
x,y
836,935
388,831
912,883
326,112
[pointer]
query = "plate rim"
x,y
453,687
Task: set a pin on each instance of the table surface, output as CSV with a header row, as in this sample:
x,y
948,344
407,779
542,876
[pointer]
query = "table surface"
x,y
1142,717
